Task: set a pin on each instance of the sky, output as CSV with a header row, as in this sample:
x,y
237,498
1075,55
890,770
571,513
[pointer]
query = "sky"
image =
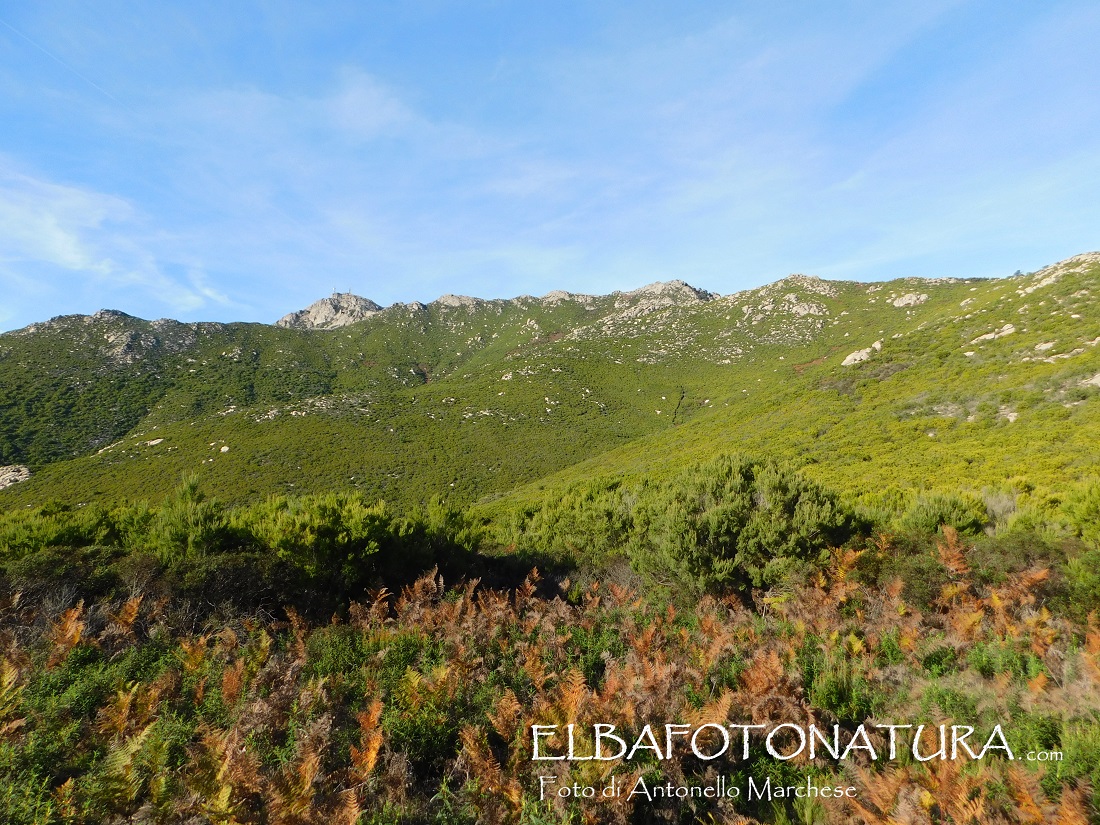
x,y
238,161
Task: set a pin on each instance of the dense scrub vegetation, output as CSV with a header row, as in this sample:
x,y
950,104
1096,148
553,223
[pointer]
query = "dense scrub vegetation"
x,y
303,631
312,552
736,523
192,662
417,709
730,523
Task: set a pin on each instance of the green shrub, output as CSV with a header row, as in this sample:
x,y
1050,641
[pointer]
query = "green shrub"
x,y
589,521
734,522
187,525
26,799
333,536
940,661
1080,741
839,684
1082,509
929,512
1002,656
994,558
889,649
1083,574
953,704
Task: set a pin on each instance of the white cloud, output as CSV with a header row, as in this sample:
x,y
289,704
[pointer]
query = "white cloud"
x,y
718,151
363,108
67,240
50,223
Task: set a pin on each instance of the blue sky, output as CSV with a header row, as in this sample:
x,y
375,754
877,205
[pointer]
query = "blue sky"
x,y
236,161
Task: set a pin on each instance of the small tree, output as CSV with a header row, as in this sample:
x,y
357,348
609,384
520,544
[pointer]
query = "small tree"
x,y
186,524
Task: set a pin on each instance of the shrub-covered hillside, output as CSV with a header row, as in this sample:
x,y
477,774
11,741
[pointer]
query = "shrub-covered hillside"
x,y
292,575
882,389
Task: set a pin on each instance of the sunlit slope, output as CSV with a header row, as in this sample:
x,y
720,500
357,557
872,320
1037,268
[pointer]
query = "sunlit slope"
x,y
476,398
1000,391
381,405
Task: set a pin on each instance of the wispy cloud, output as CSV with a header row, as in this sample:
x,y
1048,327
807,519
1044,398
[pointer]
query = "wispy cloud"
x,y
51,223
48,227
492,150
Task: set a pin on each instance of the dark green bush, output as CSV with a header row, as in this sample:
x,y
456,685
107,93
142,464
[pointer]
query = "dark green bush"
x,y
332,537
1083,573
187,525
734,522
994,558
590,521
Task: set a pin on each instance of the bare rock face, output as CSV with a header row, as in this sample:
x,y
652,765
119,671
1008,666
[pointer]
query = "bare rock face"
x,y
560,296
457,301
338,310
13,474
861,355
910,299
1007,329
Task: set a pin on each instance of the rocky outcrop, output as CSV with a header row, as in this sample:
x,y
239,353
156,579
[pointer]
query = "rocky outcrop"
x,y
458,301
910,299
664,294
338,310
658,296
560,296
861,355
809,283
13,474
1007,329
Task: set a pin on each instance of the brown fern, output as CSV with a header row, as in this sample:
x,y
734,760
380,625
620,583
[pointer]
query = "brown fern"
x,y
1028,794
193,653
66,634
10,695
1073,807
124,619
505,715
952,552
365,757
233,682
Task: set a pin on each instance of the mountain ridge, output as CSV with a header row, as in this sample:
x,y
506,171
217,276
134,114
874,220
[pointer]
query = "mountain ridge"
x,y
345,308
477,398
353,308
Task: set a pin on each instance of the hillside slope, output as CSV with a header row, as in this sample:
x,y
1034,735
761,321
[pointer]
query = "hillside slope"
x,y
880,388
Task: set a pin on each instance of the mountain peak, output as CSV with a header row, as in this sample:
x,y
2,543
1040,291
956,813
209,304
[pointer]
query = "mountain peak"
x,y
672,292
660,295
338,310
